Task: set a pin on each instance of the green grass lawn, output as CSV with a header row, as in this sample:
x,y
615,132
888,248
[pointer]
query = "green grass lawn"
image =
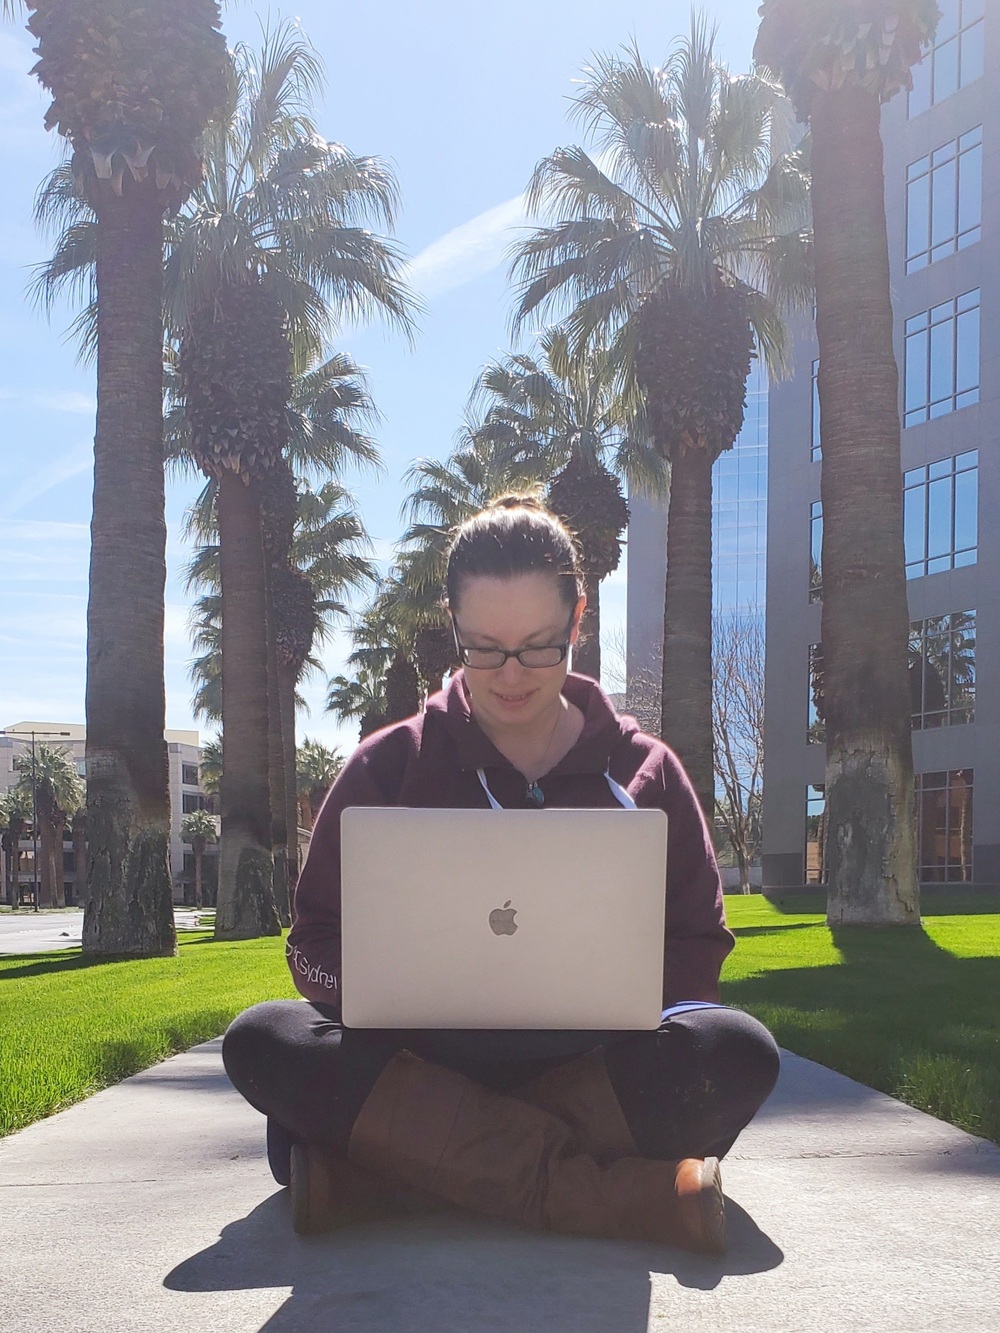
x,y
69,1027
913,1012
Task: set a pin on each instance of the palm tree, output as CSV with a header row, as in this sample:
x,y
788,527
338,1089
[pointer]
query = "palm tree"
x,y
570,407
198,829
132,95
328,559
840,61
49,774
384,651
15,816
210,767
486,464
676,248
317,767
273,235
361,698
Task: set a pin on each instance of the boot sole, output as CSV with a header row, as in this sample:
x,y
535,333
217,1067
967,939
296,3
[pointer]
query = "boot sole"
x,y
712,1204
298,1185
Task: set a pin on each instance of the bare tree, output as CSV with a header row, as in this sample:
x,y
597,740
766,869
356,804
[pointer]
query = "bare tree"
x,y
639,693
738,732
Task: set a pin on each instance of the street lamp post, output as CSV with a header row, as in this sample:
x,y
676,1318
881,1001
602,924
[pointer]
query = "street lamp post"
x,y
34,809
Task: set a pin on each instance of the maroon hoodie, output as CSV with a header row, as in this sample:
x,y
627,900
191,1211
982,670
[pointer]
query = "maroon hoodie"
x,y
431,760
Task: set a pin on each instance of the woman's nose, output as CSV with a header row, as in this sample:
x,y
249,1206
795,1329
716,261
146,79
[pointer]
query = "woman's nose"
x,y
511,671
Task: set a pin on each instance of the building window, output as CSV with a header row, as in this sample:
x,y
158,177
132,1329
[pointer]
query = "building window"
x,y
815,551
815,451
191,802
189,775
955,59
739,509
815,865
940,523
944,192
943,670
816,731
941,366
944,826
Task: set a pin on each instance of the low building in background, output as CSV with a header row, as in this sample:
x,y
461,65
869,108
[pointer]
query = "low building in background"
x,y
186,794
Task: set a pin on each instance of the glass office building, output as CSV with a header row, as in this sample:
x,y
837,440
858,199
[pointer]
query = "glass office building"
x,y
942,177
739,541
739,510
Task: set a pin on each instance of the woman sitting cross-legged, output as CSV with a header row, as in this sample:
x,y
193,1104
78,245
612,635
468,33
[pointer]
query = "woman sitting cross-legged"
x,y
615,1134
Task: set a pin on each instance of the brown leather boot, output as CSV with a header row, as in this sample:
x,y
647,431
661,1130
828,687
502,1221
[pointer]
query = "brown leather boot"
x,y
329,1192
580,1094
432,1129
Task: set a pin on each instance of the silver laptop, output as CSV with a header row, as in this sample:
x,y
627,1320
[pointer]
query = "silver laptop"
x,y
502,918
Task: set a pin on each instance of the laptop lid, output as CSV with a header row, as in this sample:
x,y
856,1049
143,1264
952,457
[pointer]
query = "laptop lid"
x,y
502,918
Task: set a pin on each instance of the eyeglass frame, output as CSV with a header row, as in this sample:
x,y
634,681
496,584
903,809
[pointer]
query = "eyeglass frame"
x,y
564,648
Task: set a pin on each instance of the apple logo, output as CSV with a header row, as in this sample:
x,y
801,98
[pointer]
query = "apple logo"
x,y
502,919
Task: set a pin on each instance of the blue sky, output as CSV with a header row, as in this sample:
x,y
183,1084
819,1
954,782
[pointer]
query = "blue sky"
x,y
463,100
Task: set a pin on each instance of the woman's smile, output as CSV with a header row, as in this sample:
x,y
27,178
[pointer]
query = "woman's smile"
x,y
511,700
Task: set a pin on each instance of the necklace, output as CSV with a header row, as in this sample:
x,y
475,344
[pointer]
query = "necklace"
x,y
533,794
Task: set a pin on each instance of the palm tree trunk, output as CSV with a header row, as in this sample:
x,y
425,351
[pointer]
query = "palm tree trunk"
x,y
587,654
129,906
276,766
246,900
80,858
198,848
871,848
286,701
12,848
48,840
687,622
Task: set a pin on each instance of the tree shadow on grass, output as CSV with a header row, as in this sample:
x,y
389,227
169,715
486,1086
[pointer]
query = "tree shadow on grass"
x,y
898,1013
38,964
773,930
449,1273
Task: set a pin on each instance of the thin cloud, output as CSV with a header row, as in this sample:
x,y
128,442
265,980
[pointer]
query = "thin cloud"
x,y
74,463
466,252
37,551
27,530
59,400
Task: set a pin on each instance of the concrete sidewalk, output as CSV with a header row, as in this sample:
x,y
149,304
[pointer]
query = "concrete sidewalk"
x,y
150,1207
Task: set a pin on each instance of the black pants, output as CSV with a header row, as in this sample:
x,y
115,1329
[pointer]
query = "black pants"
x,y
686,1090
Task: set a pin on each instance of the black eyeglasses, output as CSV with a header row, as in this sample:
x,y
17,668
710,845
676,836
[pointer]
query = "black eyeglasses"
x,y
491,659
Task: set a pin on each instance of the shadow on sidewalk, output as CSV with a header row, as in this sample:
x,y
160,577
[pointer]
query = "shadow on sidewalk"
x,y
449,1273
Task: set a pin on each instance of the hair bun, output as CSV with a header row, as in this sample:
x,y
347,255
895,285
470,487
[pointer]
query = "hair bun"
x,y
519,500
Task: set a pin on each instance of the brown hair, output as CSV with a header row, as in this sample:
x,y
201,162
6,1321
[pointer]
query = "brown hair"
x,y
514,535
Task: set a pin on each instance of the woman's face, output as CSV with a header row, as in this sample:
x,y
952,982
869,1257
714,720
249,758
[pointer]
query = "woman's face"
x,y
522,612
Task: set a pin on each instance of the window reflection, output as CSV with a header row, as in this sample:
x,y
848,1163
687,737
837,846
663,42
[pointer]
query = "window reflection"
x,y
956,58
941,359
940,521
941,673
815,860
944,818
944,200
816,728
944,826
815,551
942,670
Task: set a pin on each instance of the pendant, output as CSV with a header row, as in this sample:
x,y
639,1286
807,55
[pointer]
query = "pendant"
x,y
534,795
